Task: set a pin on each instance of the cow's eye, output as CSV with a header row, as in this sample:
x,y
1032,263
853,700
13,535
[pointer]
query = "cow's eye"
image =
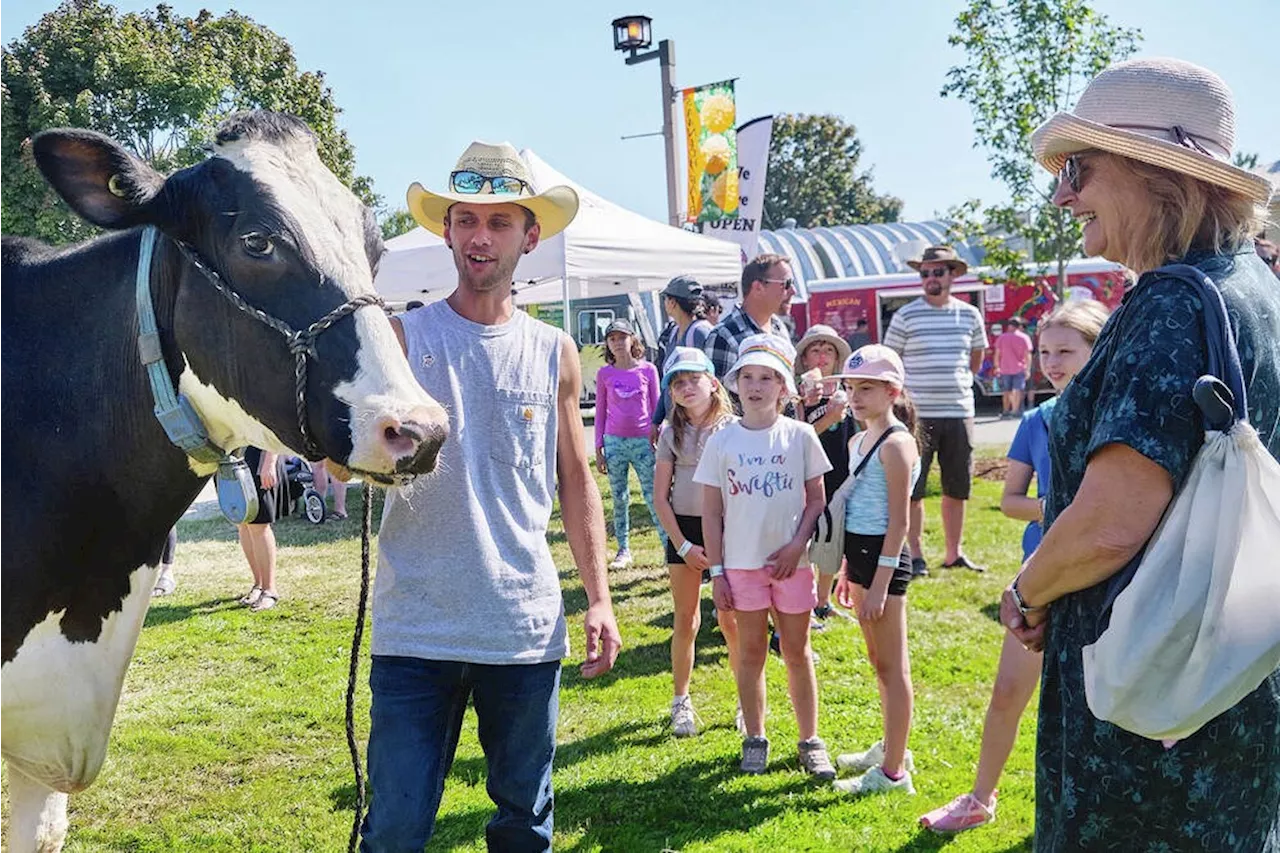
x,y
256,243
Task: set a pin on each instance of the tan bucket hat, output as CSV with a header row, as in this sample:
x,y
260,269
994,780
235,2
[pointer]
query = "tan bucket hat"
x,y
820,332
1165,112
941,255
554,207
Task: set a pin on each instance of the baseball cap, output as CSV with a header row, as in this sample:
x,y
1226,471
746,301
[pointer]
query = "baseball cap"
x,y
686,360
875,361
620,325
683,287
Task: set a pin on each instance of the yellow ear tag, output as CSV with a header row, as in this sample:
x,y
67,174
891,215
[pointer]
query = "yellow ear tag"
x,y
115,187
527,414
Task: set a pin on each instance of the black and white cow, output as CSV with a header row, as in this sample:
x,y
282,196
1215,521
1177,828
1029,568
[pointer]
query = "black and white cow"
x,y
91,483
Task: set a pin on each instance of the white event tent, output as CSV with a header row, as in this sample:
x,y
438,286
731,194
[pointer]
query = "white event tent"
x,y
607,250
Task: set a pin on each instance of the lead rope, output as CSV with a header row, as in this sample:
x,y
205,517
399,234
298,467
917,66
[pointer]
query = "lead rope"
x,y
353,671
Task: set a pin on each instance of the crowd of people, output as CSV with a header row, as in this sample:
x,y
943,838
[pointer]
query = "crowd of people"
x,y
743,440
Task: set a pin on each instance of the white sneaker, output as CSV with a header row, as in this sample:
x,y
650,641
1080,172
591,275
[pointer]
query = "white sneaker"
x,y
682,721
621,560
873,757
874,781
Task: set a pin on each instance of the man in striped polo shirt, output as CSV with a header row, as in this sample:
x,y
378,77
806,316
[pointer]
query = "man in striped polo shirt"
x,y
941,340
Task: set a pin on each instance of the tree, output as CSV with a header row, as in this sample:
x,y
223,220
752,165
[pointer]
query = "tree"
x,y
157,82
1025,61
813,175
396,222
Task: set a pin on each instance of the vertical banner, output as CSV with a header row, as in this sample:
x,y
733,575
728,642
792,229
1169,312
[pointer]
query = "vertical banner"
x,y
753,168
709,117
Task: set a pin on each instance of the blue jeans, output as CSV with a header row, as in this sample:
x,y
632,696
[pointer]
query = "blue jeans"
x,y
621,454
416,718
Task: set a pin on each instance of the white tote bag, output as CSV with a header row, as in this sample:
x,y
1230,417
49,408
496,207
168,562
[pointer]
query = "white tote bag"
x,y
1197,628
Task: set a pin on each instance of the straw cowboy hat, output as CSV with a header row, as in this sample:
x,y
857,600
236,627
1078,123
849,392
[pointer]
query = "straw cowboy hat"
x,y
941,255
1165,112
482,163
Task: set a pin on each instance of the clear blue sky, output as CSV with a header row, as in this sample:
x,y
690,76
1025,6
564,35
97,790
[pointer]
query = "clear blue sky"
x,y
419,80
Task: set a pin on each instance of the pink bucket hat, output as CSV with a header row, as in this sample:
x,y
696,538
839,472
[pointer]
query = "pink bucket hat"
x,y
875,361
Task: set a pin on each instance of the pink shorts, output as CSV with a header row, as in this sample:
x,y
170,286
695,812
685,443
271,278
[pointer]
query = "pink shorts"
x,y
756,589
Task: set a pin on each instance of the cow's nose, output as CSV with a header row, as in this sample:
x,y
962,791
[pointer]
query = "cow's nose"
x,y
413,442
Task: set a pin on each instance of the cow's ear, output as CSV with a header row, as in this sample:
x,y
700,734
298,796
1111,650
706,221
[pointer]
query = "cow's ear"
x,y
101,181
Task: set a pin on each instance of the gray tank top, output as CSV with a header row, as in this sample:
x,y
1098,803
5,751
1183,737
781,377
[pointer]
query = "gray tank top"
x,y
464,569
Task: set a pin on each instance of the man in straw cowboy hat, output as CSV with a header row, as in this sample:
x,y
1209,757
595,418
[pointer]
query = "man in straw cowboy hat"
x,y
467,602
941,340
1144,162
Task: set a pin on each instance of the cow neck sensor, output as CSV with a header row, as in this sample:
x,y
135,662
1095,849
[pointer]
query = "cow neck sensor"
x,y
237,494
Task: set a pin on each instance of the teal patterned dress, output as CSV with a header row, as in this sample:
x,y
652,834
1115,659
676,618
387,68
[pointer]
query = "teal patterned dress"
x,y
1099,787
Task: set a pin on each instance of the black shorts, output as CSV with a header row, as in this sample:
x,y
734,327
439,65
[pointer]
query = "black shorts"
x,y
273,504
863,552
952,440
691,527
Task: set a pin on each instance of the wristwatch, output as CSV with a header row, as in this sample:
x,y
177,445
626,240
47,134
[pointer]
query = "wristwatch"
x,y
1022,606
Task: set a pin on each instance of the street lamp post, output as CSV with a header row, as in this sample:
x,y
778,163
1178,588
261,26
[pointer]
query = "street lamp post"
x,y
630,34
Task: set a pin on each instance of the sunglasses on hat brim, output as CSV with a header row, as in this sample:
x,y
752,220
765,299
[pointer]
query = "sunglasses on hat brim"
x,y
467,182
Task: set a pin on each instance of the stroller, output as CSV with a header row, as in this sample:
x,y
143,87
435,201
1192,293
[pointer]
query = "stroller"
x,y
306,500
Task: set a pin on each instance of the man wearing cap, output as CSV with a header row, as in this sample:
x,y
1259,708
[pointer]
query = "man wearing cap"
x,y
767,288
467,602
941,340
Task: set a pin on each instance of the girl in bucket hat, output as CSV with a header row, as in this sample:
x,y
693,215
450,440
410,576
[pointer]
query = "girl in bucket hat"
x,y
1144,162
762,479
824,405
699,408
626,395
873,582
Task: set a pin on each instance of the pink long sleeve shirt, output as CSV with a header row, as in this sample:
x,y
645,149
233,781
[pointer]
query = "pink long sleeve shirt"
x,y
625,401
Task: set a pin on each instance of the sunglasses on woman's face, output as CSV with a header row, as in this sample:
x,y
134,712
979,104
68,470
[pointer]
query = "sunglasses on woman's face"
x,y
936,272
472,183
1072,172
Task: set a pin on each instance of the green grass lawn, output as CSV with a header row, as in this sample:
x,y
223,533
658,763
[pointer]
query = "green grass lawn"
x,y
230,733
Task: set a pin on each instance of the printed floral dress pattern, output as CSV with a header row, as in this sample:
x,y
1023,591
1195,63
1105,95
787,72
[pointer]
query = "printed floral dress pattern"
x,y
1099,787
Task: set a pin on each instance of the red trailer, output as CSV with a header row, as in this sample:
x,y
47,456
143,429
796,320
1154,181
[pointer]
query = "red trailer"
x,y
840,302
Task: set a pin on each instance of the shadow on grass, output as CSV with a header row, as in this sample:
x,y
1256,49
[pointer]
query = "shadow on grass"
x,y
162,612
926,841
991,610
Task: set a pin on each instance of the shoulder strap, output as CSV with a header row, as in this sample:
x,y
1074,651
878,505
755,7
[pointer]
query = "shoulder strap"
x,y
884,436
1224,359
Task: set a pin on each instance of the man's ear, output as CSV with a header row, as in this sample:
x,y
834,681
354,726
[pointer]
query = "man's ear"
x,y
99,179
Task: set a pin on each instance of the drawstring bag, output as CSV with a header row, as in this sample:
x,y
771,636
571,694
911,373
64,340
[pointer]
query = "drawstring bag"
x,y
1195,620
827,548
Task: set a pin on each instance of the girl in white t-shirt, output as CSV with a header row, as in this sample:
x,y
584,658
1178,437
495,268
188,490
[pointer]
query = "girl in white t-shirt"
x,y
762,494
699,407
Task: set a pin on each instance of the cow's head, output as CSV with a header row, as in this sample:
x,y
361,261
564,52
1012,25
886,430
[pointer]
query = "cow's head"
x,y
276,225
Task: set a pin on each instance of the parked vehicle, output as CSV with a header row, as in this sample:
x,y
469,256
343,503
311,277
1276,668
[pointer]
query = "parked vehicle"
x,y
841,302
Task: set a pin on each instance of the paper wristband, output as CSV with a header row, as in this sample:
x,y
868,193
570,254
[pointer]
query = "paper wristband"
x,y
685,548
716,571
887,562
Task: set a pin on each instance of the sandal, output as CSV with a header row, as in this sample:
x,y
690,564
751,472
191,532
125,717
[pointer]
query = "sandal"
x,y
266,601
341,516
251,597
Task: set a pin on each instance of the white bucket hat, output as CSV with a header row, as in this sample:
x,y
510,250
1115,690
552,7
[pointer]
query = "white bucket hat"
x,y
764,350
1165,112
554,207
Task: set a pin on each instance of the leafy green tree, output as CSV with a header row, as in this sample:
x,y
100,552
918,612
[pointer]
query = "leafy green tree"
x,y
813,175
1024,61
157,82
396,222
1245,160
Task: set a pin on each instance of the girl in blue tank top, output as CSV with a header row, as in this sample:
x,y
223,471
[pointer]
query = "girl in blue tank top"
x,y
877,567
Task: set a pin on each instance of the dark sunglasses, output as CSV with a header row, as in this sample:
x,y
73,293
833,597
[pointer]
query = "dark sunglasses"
x,y
936,272
472,183
1072,172
787,283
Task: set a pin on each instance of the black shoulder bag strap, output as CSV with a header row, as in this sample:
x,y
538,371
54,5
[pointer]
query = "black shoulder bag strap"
x,y
884,436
